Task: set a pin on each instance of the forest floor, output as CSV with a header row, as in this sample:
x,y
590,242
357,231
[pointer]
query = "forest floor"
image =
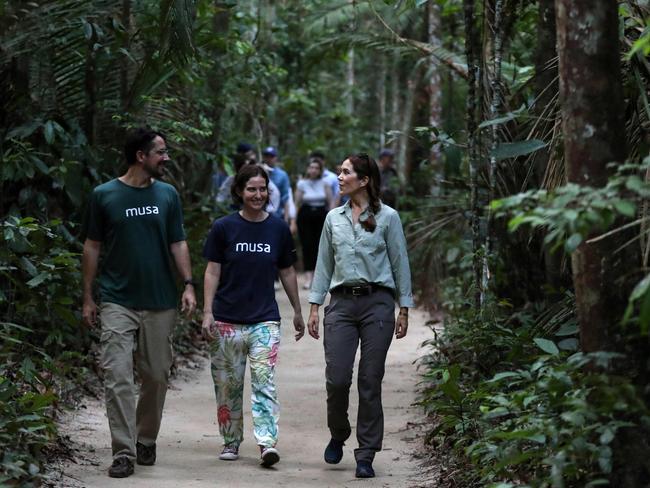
x,y
189,441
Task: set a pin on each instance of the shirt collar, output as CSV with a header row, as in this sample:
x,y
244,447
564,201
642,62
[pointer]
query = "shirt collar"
x,y
347,209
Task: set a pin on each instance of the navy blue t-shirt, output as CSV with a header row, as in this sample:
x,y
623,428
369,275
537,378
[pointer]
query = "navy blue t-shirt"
x,y
250,253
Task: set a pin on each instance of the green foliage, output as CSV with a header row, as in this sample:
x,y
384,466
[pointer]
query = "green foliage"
x,y
523,412
25,427
43,355
573,213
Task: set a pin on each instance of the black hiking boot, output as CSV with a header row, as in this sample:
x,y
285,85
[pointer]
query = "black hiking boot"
x,y
364,470
334,452
122,467
146,455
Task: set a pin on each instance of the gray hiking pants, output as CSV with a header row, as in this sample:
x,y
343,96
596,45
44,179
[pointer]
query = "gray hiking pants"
x,y
143,337
350,320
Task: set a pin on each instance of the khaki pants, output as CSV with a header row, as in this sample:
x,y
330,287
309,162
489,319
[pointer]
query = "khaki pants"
x,y
143,337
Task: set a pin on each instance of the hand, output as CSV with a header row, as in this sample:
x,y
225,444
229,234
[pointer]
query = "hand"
x,y
89,313
299,325
188,300
401,325
207,326
312,324
293,227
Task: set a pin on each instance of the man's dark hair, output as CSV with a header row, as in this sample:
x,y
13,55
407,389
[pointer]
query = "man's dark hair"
x,y
140,139
317,155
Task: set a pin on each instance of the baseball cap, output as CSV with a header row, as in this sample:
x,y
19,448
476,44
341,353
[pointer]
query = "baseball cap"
x,y
270,151
244,147
386,153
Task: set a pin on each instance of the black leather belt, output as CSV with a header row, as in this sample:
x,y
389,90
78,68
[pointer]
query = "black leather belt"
x,y
359,290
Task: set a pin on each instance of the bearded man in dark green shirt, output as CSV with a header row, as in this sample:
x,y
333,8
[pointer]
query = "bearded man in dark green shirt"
x,y
138,222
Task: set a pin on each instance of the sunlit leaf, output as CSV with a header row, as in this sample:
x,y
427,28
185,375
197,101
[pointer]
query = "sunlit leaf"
x,y
547,346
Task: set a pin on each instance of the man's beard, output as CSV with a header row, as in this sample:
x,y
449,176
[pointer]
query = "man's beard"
x,y
155,171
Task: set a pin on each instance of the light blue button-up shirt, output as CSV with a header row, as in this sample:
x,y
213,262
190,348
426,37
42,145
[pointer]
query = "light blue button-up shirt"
x,y
350,255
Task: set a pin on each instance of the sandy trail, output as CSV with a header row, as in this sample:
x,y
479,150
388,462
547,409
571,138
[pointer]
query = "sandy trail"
x,y
189,441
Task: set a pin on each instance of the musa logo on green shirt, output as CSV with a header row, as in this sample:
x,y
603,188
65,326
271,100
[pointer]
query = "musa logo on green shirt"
x,y
148,210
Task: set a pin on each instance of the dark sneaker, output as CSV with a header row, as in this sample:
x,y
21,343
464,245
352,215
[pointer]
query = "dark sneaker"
x,y
364,470
122,467
270,456
334,452
146,454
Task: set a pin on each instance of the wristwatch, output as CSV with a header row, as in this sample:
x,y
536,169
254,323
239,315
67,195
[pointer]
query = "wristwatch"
x,y
189,281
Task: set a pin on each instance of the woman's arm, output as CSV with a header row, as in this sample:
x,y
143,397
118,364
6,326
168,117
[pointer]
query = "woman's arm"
x,y
290,284
329,198
298,198
397,255
312,322
210,284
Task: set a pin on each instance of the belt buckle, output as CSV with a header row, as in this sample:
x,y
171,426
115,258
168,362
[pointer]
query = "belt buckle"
x,y
356,291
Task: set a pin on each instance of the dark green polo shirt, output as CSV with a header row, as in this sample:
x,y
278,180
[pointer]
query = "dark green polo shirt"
x,y
136,227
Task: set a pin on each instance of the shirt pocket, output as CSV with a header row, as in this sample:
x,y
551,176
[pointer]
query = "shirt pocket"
x,y
342,236
372,243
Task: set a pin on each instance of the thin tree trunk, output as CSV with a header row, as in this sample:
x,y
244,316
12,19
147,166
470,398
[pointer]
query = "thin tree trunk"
x,y
473,106
435,91
395,94
124,61
350,82
495,108
90,84
381,91
404,158
546,87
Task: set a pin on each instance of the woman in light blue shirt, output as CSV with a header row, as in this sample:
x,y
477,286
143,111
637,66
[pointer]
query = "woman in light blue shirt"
x,y
362,262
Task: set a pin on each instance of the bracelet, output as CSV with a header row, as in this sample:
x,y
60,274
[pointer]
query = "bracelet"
x,y
189,281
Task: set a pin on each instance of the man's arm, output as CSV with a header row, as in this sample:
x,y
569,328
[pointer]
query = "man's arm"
x,y
89,263
181,254
210,283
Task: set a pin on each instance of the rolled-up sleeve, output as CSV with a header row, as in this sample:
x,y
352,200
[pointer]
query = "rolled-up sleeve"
x,y
399,262
324,265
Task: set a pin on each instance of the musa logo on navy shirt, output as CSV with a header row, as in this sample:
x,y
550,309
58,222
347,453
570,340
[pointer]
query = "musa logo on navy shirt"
x,y
252,247
148,210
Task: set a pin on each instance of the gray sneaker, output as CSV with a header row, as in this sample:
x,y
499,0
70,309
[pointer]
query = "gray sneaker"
x,y
229,453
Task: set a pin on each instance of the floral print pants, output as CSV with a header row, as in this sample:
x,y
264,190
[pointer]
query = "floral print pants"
x,y
228,352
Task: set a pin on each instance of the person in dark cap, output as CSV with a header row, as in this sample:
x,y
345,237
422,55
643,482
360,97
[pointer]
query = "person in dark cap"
x,y
248,151
279,177
389,179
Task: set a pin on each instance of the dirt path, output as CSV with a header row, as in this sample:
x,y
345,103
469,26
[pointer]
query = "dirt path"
x,y
189,442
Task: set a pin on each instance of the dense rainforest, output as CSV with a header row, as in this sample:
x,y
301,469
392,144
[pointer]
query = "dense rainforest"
x,y
522,147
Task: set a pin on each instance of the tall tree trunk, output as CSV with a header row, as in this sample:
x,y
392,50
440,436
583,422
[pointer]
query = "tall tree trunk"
x,y
594,135
124,61
474,104
220,27
495,109
546,88
90,84
404,155
349,76
381,91
395,102
435,90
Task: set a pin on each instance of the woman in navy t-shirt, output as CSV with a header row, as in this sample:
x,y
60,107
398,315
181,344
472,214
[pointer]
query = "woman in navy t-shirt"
x,y
245,250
